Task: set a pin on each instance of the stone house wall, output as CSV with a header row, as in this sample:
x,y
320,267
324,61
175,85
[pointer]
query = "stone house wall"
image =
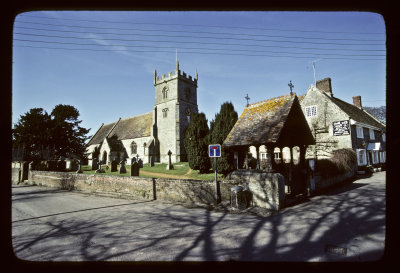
x,y
327,113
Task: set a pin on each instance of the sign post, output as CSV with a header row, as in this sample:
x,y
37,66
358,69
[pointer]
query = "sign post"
x,y
214,150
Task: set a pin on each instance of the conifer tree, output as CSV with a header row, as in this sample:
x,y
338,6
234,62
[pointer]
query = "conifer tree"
x,y
219,130
196,143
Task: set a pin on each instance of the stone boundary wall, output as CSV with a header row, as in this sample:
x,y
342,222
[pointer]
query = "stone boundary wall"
x,y
267,190
171,190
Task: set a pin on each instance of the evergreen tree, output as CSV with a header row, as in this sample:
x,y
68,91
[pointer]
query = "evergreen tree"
x,y
32,131
219,130
67,136
36,130
196,143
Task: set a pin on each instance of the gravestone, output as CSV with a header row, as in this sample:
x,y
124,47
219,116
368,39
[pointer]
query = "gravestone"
x,y
135,169
122,169
95,164
170,166
151,161
114,166
140,162
79,167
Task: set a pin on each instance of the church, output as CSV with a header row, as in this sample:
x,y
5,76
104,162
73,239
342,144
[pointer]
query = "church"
x,y
150,136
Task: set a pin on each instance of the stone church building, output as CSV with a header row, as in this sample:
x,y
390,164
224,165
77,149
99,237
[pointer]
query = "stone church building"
x,y
150,136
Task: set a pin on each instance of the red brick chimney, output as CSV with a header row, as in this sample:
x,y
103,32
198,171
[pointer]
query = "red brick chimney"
x,y
326,86
357,101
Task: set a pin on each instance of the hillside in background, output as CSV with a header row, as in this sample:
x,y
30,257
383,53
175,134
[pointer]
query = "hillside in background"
x,y
378,112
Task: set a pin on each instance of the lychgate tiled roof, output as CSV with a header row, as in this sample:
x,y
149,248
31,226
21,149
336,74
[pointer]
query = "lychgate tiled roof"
x,y
132,127
261,122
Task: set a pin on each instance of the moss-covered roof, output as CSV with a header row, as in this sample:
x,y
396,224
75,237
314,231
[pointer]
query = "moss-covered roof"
x,y
262,122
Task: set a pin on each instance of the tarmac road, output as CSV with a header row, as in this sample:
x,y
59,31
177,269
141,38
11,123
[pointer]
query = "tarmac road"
x,y
346,224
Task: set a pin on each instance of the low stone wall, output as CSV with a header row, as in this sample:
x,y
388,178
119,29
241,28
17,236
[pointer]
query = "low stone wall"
x,y
267,190
171,190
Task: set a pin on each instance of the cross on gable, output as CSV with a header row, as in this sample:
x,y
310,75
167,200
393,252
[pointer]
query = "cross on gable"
x,y
247,99
291,87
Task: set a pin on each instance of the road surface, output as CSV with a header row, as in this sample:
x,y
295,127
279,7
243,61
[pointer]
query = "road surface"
x,y
346,224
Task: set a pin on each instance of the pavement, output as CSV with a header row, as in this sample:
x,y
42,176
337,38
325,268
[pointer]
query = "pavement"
x,y
346,223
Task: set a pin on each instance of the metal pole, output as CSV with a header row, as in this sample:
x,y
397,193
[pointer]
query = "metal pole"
x,y
216,182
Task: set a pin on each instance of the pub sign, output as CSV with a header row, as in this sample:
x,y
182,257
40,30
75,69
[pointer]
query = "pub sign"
x,y
341,128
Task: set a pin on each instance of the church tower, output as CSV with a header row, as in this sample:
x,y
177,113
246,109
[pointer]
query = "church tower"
x,y
175,102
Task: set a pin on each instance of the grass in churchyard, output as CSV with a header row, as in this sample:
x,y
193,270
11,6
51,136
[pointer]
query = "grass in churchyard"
x,y
180,169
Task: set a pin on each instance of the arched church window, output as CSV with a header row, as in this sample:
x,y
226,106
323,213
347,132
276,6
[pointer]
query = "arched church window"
x,y
188,114
165,112
187,93
165,92
104,159
133,147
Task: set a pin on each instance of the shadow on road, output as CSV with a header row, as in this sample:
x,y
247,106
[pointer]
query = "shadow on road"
x,y
295,234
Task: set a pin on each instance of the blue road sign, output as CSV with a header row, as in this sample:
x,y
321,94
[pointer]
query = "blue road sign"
x,y
214,150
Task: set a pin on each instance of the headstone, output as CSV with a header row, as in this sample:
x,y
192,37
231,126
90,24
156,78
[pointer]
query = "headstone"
x,y
151,161
135,169
67,164
95,164
31,166
170,166
140,162
114,165
79,167
122,169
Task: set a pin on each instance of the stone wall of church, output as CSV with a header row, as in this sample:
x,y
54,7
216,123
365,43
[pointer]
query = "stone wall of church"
x,y
321,125
141,148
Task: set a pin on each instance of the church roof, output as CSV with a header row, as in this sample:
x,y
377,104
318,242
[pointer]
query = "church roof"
x,y
263,122
132,127
101,133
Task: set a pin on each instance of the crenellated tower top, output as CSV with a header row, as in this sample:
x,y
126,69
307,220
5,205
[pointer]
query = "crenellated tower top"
x,y
177,74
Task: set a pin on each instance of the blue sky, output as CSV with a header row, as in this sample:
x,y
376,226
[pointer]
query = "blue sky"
x,y
103,62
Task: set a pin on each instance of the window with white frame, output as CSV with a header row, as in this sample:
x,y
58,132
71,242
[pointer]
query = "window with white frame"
x,y
382,157
371,134
375,157
311,111
277,155
361,157
360,133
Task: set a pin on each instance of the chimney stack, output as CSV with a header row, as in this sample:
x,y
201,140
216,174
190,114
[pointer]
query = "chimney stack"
x,y
357,101
326,86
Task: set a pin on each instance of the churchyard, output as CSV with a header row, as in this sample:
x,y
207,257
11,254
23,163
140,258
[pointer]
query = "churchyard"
x,y
181,170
